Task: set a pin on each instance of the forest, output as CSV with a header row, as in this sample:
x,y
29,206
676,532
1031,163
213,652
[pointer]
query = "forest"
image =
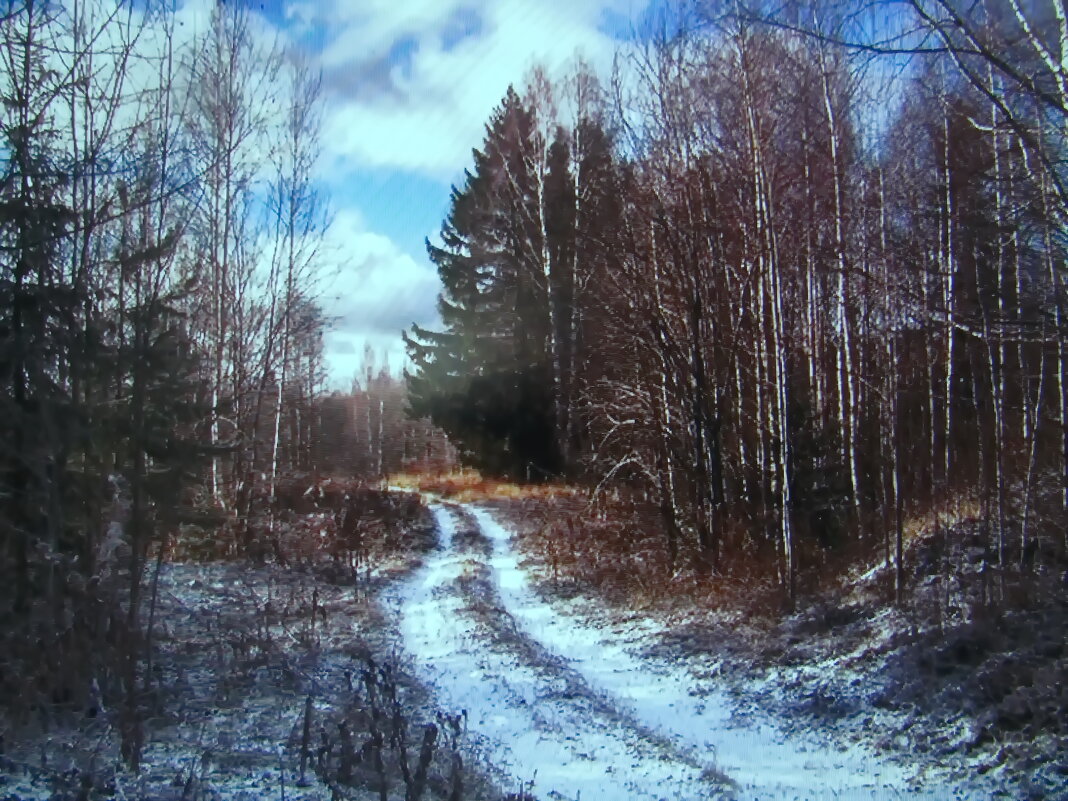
x,y
784,293
796,300
762,330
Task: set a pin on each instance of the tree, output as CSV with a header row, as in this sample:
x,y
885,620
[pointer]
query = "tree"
x,y
487,379
519,250
116,368
234,89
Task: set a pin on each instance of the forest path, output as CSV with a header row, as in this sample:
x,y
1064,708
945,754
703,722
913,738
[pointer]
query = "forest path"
x,y
570,708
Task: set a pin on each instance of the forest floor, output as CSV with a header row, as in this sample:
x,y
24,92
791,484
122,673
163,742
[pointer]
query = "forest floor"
x,y
457,664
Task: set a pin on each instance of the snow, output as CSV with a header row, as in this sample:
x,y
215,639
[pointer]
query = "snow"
x,y
527,725
528,728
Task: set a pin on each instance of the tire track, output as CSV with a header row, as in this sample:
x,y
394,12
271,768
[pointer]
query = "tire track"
x,y
532,714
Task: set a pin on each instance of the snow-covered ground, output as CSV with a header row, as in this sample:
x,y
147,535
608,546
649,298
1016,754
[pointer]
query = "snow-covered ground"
x,y
587,718
529,718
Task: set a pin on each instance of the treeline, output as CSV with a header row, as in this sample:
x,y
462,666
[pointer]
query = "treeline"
x,y
367,433
160,346
792,298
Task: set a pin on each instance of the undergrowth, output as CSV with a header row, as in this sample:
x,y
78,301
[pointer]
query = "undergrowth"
x,y
619,552
970,645
271,673
469,486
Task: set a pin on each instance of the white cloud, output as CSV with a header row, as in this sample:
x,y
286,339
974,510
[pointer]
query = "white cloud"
x,y
409,87
369,28
426,109
378,291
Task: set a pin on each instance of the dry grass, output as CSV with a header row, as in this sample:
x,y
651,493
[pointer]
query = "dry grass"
x,y
862,575
469,486
342,519
618,551
949,514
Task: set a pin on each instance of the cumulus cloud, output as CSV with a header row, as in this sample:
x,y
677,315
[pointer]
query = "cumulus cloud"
x,y
409,87
379,291
413,82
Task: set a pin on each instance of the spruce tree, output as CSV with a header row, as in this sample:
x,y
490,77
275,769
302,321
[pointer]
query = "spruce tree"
x,y
485,379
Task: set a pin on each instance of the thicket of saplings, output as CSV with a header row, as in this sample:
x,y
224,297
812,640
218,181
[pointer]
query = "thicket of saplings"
x,y
66,664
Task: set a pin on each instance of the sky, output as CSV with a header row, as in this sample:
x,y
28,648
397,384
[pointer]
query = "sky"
x,y
408,88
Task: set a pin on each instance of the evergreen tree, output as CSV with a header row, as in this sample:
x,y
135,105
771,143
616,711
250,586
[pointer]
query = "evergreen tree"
x,y
528,233
486,378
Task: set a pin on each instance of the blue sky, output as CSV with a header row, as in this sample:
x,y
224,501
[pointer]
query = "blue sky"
x,y
409,85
